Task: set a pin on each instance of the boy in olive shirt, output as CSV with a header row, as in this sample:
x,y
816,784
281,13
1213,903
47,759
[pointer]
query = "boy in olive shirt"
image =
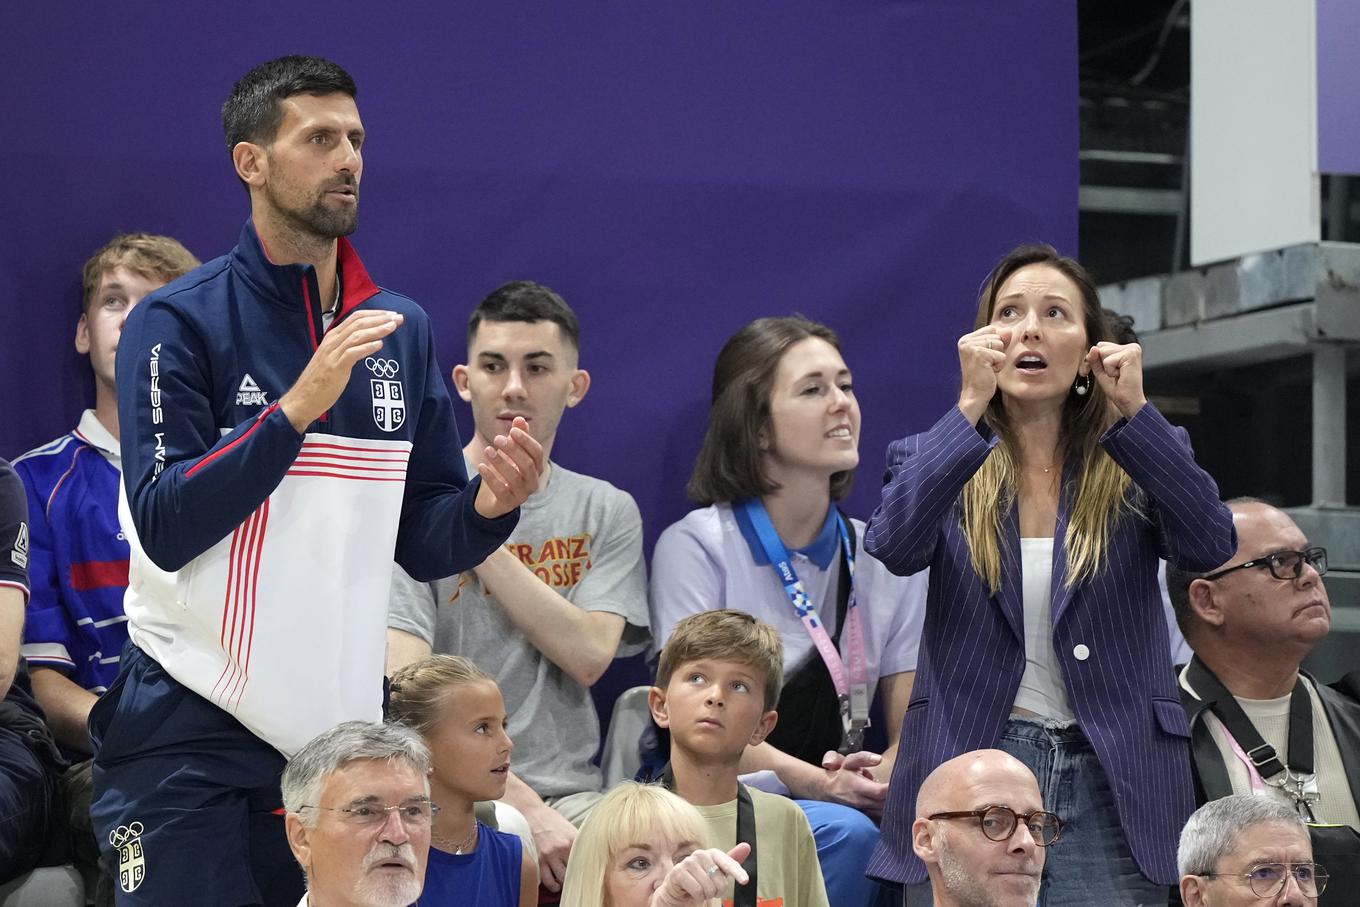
x,y
716,685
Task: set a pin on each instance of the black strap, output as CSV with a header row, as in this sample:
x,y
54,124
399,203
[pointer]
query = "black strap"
x,y
742,895
845,585
1227,709
810,721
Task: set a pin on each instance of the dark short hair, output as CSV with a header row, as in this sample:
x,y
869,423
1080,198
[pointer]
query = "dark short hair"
x,y
524,300
1178,588
1178,580
252,113
729,466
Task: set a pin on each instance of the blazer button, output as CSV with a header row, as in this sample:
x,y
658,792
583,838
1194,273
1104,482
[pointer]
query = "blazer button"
x,y
1081,653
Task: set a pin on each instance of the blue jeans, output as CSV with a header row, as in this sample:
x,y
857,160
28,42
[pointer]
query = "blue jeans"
x,y
1091,862
845,838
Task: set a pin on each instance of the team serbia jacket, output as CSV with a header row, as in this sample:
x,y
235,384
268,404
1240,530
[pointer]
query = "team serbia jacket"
x,y
280,545
1109,631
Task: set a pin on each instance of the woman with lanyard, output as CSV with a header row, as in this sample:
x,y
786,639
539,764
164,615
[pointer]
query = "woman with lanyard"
x,y
1040,504
780,450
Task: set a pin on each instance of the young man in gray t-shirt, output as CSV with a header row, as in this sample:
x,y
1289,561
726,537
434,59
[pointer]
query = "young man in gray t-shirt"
x,y
548,612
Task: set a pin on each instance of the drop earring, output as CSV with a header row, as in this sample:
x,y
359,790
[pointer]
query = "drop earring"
x,y
1083,384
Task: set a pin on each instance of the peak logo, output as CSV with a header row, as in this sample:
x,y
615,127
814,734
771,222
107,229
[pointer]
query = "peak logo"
x,y
249,393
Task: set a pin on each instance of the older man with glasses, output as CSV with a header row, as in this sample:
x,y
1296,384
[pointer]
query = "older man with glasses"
x,y
358,815
981,830
1248,851
1258,723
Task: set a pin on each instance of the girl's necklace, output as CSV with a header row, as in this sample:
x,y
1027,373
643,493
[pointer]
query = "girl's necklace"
x,y
457,848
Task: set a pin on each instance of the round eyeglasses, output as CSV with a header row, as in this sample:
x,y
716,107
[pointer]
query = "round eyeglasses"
x,y
1284,565
1268,879
998,823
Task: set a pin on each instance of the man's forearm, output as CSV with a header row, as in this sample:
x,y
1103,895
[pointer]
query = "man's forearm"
x,y
804,781
11,632
67,705
404,648
883,771
521,796
580,643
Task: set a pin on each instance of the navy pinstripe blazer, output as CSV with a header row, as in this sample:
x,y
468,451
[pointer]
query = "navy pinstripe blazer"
x,y
1109,630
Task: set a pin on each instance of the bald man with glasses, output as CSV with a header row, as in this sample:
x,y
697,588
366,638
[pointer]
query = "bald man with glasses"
x,y
981,829
1258,723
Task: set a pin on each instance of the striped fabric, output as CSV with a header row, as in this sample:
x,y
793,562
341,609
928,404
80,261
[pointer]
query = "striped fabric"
x,y
79,558
1109,631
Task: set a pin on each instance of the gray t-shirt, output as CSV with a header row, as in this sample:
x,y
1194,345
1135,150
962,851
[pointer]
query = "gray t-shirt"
x,y
583,537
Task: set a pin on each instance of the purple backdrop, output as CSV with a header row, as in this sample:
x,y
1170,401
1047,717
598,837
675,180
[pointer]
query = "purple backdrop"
x,y
673,169
1338,86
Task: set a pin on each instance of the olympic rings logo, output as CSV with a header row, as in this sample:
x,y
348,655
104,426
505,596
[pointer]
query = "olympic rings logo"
x,y
383,368
125,833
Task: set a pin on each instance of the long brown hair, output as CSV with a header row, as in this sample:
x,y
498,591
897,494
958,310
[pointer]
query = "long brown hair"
x,y
729,466
1102,488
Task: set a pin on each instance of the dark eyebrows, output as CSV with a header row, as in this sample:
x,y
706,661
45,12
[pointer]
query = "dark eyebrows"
x,y
318,129
819,374
501,357
1019,295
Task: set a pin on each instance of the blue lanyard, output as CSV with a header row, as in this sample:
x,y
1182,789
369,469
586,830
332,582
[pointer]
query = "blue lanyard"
x,y
852,686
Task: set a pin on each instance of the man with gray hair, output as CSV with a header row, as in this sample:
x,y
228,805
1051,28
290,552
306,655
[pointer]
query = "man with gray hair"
x,y
1245,850
357,800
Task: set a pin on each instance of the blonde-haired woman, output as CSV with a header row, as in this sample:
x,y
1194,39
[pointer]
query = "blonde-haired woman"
x,y
1041,504
643,846
458,709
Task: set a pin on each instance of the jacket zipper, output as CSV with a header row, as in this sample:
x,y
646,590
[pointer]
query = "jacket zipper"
x,y
313,323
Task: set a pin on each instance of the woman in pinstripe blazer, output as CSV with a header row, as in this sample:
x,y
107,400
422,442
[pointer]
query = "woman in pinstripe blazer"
x,y
1041,504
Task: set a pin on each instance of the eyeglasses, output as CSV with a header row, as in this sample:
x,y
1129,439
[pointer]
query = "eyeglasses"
x,y
998,823
412,813
1268,879
1283,564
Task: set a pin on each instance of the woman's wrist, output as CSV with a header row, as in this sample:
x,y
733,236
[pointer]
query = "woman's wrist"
x,y
972,407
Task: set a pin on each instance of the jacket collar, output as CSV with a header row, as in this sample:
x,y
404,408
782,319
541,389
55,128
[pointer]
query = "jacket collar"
x,y
92,432
284,284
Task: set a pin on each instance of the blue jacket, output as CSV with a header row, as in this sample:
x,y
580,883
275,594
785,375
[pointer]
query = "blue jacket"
x,y
1109,631
261,558
78,566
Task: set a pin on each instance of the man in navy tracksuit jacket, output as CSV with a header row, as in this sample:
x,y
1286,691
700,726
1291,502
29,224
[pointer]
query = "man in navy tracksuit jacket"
x,y
286,435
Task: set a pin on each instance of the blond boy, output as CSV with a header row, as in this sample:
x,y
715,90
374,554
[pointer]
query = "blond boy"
x,y
716,685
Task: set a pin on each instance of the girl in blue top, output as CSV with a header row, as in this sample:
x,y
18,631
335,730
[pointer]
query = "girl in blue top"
x,y
458,709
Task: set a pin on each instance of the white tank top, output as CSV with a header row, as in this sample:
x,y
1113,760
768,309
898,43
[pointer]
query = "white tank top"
x,y
1041,688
